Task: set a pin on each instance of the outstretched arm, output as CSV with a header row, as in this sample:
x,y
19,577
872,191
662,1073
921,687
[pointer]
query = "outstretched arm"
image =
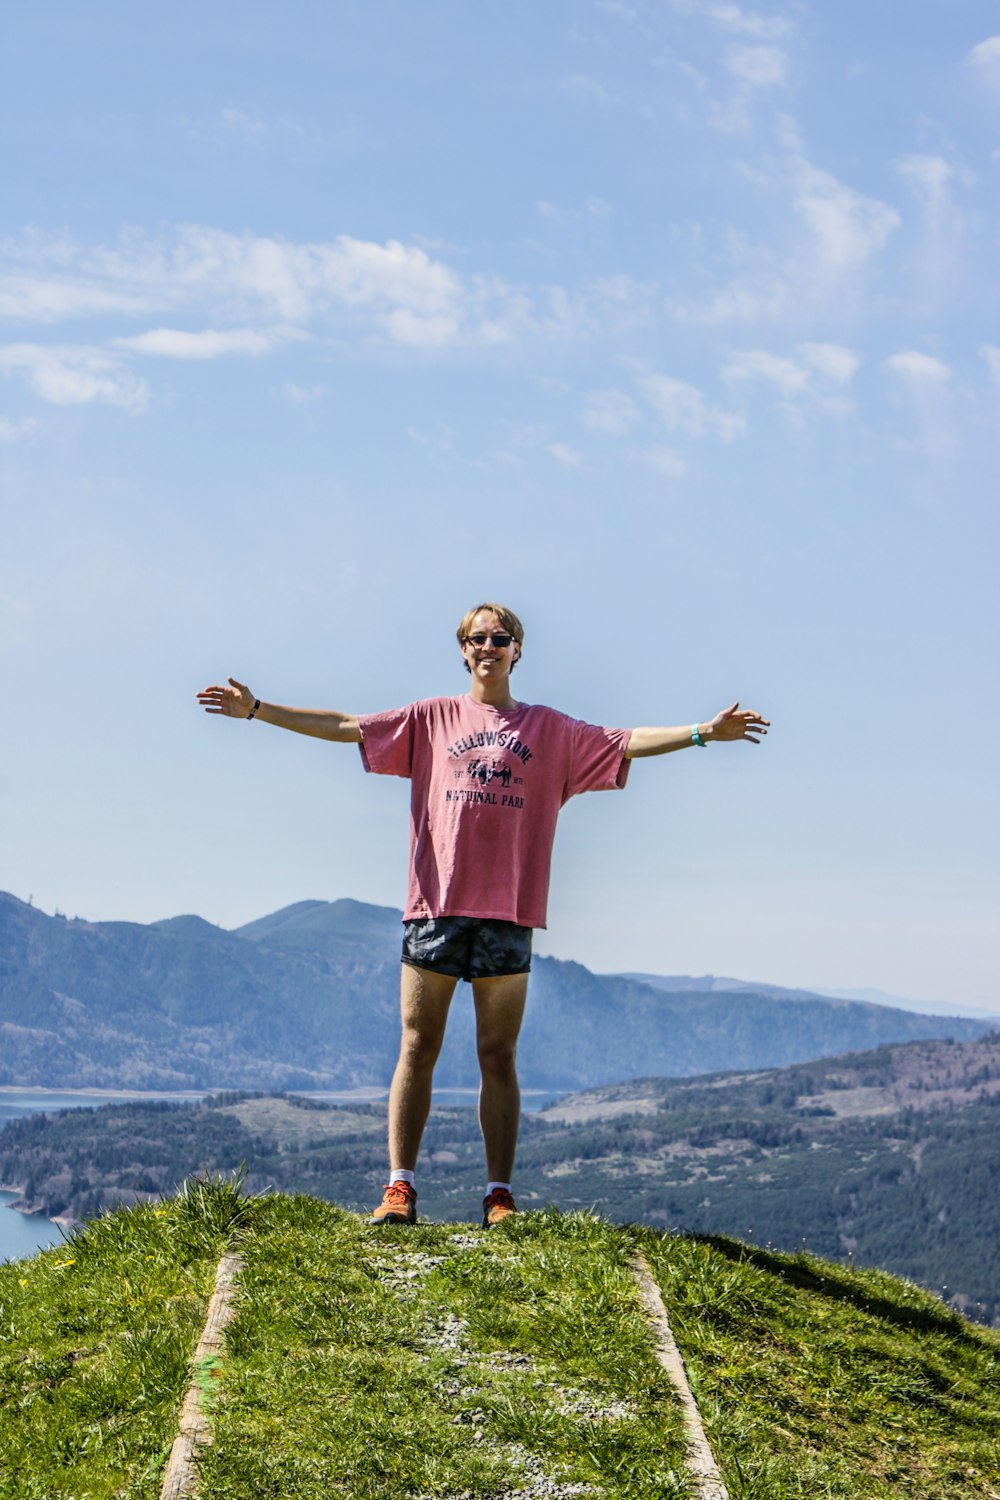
x,y
732,723
237,702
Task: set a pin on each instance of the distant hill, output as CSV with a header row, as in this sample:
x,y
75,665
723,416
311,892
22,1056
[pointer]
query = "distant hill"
x,y
716,982
307,998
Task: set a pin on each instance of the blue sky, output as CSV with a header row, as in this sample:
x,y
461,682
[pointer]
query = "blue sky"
x,y
674,325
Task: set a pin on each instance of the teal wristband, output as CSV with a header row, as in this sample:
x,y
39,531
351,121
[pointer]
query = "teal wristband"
x,y
696,737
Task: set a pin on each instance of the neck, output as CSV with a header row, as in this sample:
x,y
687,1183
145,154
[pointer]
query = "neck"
x,y
494,694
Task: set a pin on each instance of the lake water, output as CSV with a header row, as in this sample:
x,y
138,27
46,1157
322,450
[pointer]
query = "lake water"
x,y
22,1234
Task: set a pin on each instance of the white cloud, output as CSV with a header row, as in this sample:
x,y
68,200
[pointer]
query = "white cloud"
x,y
587,90
833,361
209,343
302,394
848,227
440,440
991,354
593,208
929,174
613,412
41,299
741,301
817,375
12,431
919,369
986,54
566,456
74,375
665,460
244,273
747,22
761,67
246,127
757,364
683,408
927,385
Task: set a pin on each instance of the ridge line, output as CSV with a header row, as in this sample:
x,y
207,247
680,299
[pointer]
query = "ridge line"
x,y
701,1463
193,1429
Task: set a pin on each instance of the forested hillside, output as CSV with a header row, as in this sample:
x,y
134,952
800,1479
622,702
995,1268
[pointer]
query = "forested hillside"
x,y
887,1158
307,998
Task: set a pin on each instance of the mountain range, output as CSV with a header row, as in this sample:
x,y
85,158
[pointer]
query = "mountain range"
x,y
307,998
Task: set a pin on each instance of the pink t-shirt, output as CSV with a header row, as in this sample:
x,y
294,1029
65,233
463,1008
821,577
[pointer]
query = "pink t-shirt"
x,y
488,784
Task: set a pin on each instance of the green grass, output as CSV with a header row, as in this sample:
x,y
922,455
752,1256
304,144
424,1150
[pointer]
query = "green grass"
x,y
816,1380
442,1361
438,1361
95,1339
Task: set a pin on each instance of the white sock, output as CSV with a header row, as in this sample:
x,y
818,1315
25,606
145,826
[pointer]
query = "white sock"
x,y
492,1186
399,1174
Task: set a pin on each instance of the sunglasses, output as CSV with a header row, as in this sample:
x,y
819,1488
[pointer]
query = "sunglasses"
x,y
498,638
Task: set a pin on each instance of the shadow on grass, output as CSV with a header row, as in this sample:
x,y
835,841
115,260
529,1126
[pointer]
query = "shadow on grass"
x,y
842,1285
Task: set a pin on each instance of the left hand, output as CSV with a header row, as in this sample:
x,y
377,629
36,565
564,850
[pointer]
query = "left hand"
x,y
735,723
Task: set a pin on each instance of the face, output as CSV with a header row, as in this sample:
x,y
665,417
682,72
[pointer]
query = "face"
x,y
489,661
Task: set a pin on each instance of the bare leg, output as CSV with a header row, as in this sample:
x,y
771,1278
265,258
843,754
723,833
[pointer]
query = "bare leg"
x,y
499,1012
424,1001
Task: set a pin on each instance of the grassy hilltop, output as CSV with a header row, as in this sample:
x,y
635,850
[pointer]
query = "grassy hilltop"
x,y
446,1362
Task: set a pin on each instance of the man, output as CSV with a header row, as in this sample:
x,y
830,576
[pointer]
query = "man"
x,y
489,776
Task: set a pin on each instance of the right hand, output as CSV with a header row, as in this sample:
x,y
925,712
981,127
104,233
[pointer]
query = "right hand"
x,y
235,701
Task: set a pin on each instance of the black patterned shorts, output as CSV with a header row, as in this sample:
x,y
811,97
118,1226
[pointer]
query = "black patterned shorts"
x,y
467,947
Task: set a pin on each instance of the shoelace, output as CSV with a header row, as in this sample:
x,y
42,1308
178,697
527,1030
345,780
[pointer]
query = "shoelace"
x,y
399,1191
500,1198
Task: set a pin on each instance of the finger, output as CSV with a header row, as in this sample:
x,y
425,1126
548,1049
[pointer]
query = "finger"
x,y
241,685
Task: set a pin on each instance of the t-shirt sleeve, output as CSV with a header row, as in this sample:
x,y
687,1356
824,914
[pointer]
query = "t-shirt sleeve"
x,y
598,762
387,741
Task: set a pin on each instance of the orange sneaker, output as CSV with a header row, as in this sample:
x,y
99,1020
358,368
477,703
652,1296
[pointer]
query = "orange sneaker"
x,y
398,1206
497,1206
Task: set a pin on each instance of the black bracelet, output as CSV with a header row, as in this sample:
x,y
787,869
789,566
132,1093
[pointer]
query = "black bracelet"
x,y
256,705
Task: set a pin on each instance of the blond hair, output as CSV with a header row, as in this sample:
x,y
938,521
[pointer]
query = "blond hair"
x,y
508,619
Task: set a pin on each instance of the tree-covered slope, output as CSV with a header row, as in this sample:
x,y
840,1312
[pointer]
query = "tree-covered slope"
x,y
308,998
885,1159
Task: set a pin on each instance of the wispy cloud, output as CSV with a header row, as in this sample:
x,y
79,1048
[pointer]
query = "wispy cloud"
x,y
683,408
926,382
743,301
986,54
249,281
817,375
303,394
786,374
930,176
919,369
991,354
747,22
208,343
664,459
847,227
55,299
13,430
587,90
613,412
74,375
566,456
760,67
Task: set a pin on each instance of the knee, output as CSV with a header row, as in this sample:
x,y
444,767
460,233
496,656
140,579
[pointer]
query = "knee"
x,y
419,1049
497,1056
